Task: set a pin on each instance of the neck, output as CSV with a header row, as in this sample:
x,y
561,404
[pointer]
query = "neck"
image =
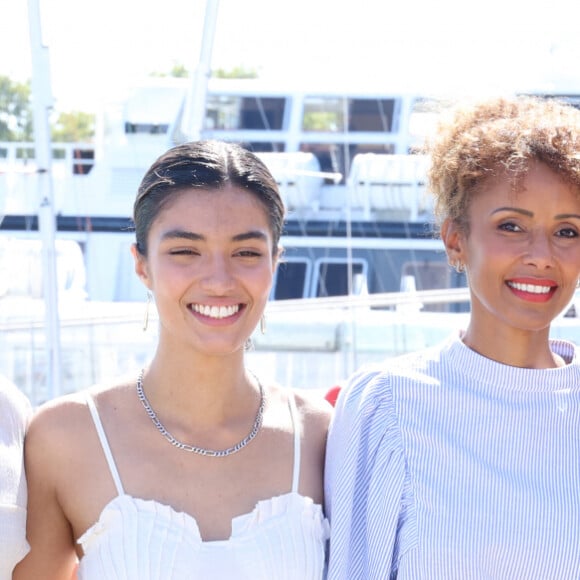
x,y
523,349
209,389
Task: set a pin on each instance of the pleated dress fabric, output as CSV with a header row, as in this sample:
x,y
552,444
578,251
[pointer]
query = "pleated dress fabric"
x,y
283,538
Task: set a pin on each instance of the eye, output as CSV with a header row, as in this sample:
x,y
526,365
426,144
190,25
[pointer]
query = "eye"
x,y
567,232
183,252
249,253
510,227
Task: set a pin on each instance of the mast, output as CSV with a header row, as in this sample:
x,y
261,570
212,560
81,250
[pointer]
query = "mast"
x,y
42,104
195,105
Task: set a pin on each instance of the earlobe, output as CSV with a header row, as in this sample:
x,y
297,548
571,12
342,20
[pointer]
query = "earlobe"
x,y
452,238
140,266
278,257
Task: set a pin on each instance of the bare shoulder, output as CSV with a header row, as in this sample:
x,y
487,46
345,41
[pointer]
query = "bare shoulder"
x,y
312,401
63,423
316,411
55,419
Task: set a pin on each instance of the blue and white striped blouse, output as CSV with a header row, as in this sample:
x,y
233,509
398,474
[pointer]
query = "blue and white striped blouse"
x,y
447,465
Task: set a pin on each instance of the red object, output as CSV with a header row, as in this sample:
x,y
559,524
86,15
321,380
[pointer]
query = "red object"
x,y
332,394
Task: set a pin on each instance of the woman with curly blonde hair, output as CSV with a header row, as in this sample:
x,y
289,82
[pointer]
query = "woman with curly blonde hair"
x,y
462,461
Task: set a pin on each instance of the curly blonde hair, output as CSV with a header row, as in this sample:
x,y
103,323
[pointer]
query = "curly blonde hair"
x,y
500,137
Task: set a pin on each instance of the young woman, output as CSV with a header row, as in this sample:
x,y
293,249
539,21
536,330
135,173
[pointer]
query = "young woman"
x,y
195,468
462,461
14,415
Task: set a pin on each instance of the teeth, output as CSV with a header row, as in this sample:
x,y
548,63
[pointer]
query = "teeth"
x,y
216,311
531,288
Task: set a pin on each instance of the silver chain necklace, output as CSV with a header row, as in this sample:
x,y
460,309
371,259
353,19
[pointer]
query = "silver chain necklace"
x,y
192,448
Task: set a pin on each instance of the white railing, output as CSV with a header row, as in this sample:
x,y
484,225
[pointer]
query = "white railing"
x,y
313,343
18,156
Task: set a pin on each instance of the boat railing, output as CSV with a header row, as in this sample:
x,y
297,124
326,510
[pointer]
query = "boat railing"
x,y
19,173
386,187
19,157
312,343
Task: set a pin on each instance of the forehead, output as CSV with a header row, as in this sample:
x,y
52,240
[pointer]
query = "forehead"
x,y
538,183
204,208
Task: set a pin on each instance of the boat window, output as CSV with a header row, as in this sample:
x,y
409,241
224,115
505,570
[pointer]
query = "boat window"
x,y
332,276
571,99
230,112
374,115
292,279
149,110
340,114
147,128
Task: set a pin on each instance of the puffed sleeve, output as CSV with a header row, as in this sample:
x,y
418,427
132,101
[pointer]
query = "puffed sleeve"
x,y
367,488
14,416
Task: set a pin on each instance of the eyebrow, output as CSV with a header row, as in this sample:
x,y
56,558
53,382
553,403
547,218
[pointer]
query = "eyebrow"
x,y
527,213
192,236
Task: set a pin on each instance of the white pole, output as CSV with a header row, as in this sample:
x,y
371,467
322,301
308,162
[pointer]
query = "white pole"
x,y
194,114
42,104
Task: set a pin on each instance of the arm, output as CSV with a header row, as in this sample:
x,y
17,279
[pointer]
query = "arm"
x,y
364,481
52,551
315,413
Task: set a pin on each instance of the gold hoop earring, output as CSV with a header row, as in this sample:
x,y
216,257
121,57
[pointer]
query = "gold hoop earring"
x,y
263,324
146,317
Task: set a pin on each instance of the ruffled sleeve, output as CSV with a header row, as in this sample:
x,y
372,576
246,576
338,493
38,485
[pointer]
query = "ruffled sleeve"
x,y
367,489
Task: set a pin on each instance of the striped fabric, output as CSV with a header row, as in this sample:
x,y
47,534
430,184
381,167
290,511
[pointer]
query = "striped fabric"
x,y
447,465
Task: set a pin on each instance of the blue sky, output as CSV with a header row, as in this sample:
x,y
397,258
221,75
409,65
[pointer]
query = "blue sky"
x,y
100,48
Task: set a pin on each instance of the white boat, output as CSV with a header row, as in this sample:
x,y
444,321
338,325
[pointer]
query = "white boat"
x,y
355,196
359,231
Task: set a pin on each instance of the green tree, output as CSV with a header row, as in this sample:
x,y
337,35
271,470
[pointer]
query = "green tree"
x,y
73,126
177,71
15,110
238,72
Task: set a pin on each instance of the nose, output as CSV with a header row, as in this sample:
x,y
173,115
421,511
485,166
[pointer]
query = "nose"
x,y
217,277
539,252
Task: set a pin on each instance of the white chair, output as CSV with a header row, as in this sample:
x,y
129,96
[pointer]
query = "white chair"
x,y
388,183
298,176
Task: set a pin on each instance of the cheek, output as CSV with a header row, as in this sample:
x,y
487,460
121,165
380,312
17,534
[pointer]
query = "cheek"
x,y
488,249
261,280
166,277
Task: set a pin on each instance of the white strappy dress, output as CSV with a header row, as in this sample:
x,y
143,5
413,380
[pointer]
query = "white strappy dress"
x,y
283,538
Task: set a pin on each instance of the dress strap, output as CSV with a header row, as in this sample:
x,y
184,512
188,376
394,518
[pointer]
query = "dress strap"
x,y
297,437
105,444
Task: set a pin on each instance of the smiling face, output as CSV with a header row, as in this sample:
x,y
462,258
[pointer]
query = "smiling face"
x,y
210,266
521,253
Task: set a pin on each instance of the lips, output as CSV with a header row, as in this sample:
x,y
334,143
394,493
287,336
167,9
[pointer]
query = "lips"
x,y
533,290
